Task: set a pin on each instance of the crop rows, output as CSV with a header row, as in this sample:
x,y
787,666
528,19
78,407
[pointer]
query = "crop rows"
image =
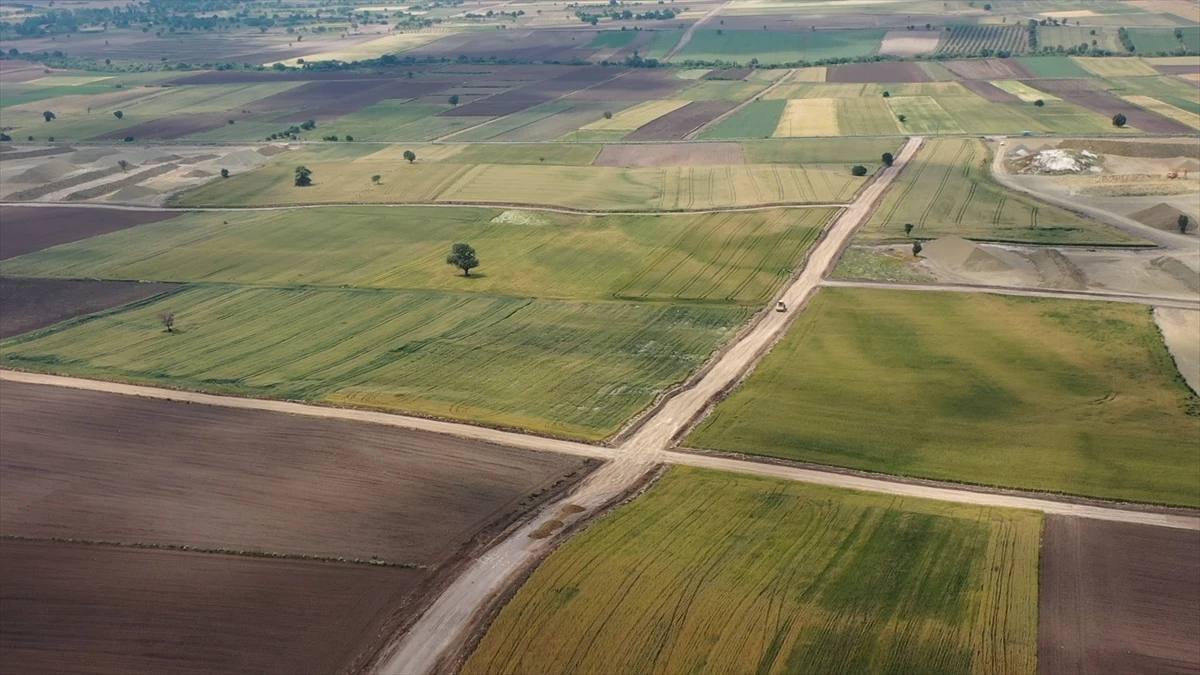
x,y
965,40
697,575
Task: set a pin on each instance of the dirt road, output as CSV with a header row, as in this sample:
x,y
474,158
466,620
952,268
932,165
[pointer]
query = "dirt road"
x,y
1174,303
687,35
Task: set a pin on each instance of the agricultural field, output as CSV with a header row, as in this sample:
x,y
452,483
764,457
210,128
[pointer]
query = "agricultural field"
x,y
1052,66
737,257
1166,110
958,197
233,486
697,574
35,303
561,367
757,120
1116,67
1073,36
1162,41
819,150
637,116
972,40
29,229
778,46
922,115
931,385
809,117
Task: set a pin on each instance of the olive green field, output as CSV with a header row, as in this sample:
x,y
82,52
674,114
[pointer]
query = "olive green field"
x,y
716,572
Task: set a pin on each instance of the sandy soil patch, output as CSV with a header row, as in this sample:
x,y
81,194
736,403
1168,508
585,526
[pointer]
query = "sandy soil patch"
x,y
1162,216
1193,77
670,154
809,117
909,43
1181,332
1118,598
811,74
1023,91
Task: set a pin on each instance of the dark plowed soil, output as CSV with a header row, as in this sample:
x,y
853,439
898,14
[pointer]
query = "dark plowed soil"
x,y
677,124
111,467
534,93
883,71
72,608
1088,95
639,85
1178,70
329,100
167,128
24,229
990,91
27,304
988,69
728,74
1118,598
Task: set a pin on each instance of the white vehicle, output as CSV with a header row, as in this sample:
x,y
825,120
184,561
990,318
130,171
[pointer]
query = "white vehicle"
x,y
780,306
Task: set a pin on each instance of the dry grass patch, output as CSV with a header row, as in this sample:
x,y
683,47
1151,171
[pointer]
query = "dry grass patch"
x,y
909,43
813,74
1023,91
1115,67
1166,110
809,117
637,116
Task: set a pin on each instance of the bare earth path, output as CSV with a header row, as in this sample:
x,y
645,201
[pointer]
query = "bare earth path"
x,y
1175,303
687,35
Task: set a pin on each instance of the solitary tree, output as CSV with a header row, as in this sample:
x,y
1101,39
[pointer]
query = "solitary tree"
x,y
607,115
1039,103
888,159
907,229
858,170
887,94
349,137
1119,120
118,114
463,257
916,247
48,115
167,319
123,165
453,99
902,118
303,176
376,178
1183,223
410,156
4,138
224,173
129,139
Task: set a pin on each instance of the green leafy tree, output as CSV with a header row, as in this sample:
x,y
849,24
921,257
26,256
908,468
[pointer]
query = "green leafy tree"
x,y
887,94
463,257
410,156
607,115
858,170
118,114
167,319
907,229
453,99
888,159
1119,120
1039,103
376,178
902,118
916,248
1183,223
224,173
48,116
303,176
123,165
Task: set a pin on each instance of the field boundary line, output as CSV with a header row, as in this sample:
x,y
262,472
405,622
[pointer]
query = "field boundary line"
x,y
1025,291
721,118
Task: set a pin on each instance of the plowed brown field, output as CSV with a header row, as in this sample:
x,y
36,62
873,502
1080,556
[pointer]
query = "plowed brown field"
x,y
33,303
25,229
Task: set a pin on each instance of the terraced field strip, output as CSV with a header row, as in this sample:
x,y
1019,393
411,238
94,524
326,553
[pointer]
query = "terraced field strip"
x,y
972,39
949,191
697,574
809,117
568,368
971,364
1166,110
1115,67
632,118
1023,91
923,115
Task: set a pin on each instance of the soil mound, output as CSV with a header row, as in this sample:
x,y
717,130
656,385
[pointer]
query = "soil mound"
x,y
1191,166
46,172
242,160
198,173
1179,270
1133,148
89,155
1055,270
133,193
272,150
1161,216
961,255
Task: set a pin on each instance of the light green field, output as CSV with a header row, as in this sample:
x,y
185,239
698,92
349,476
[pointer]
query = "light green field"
x,y
384,121
662,42
922,114
976,115
1043,394
728,573
779,46
1151,41
569,368
819,150
578,187
756,120
1114,67
1052,66
740,257
721,90
866,117
511,122
948,190
1073,36
1023,91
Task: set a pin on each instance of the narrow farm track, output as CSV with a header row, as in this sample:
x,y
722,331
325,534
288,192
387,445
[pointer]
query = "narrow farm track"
x,y
1177,303
687,35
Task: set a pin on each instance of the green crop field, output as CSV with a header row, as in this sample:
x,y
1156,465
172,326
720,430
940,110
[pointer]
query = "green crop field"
x,y
739,257
866,117
1043,394
1073,36
777,46
1150,41
756,120
728,573
611,39
948,191
923,115
1053,66
819,150
662,42
570,368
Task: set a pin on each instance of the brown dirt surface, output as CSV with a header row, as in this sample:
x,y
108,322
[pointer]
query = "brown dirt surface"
x,y
883,71
1118,598
239,479
27,304
990,91
1161,216
1179,70
728,74
643,84
25,229
677,124
1088,95
167,128
671,154
329,100
988,69
534,93
97,609
1140,148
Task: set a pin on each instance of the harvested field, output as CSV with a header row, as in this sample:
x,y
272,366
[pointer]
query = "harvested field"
x,y
988,69
98,609
636,117
671,154
1118,598
1007,389
809,117
1166,110
1088,95
909,43
222,478
24,229
643,84
728,74
167,128
34,303
1141,148
1179,70
727,573
1115,67
991,92
882,71
679,123
1021,91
